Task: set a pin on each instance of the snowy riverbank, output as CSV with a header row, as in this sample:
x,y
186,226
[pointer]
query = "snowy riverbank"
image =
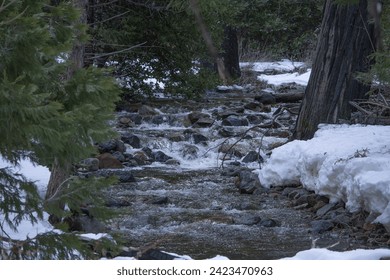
x,y
349,163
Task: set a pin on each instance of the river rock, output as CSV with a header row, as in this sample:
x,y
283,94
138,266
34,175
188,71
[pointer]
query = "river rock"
x,y
247,182
108,161
119,156
125,122
159,119
199,138
265,98
254,106
255,119
269,223
136,118
190,152
146,110
172,161
227,113
252,156
107,146
226,132
131,139
247,220
325,209
117,201
124,176
204,122
176,137
195,116
235,121
321,226
160,156
89,164
141,158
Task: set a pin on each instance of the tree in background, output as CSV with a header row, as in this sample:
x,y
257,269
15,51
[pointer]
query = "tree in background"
x,y
345,43
50,112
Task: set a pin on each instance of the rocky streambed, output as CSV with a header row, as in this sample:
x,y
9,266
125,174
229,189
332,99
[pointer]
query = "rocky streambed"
x,y
188,182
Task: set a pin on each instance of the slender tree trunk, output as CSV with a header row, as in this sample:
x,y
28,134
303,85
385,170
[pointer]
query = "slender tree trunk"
x,y
223,74
345,42
61,171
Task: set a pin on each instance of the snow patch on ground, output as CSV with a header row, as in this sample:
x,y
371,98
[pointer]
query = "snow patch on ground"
x,y
277,80
349,163
325,254
285,65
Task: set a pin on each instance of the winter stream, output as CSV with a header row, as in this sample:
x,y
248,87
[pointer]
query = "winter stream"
x,y
184,201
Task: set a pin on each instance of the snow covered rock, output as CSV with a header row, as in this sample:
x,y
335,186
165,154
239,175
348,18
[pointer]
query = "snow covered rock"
x,y
348,163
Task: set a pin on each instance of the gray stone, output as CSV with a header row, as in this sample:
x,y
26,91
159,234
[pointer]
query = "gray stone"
x,y
199,138
89,164
159,119
254,106
132,140
247,182
247,220
195,116
146,110
120,146
255,119
107,146
141,158
321,226
190,152
265,98
172,162
204,122
325,209
160,156
176,137
252,156
124,176
235,121
269,223
226,132
119,156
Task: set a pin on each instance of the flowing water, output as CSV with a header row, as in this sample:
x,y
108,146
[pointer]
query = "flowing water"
x,y
192,206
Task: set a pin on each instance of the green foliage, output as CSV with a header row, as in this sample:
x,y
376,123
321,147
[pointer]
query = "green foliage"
x,y
47,114
379,72
168,41
279,28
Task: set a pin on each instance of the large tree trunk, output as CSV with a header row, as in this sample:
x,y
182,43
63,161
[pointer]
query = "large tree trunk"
x,y
345,42
230,52
60,170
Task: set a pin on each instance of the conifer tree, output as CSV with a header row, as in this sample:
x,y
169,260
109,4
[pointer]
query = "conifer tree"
x,y
46,116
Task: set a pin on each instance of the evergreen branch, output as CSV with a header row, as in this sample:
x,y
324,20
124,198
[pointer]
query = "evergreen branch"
x,y
14,18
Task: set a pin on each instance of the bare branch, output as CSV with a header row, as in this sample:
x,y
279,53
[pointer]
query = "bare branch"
x,y
117,52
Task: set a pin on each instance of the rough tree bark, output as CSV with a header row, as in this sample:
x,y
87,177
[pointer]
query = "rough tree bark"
x,y
346,40
61,170
230,52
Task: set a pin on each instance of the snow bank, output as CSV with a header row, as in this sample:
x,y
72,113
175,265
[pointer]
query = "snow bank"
x,y
325,254
349,163
285,65
276,80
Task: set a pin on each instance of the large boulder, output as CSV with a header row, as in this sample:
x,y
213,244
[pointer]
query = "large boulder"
x,y
108,161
